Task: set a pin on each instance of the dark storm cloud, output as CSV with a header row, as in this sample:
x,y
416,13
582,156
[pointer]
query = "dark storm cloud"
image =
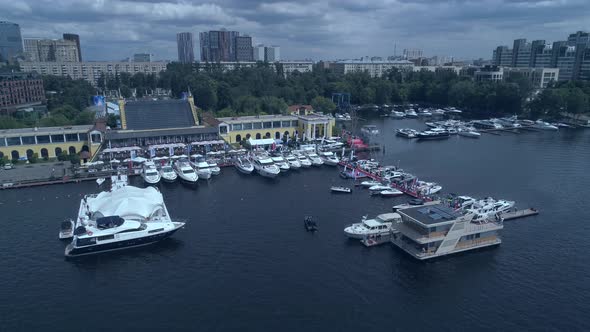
x,y
327,29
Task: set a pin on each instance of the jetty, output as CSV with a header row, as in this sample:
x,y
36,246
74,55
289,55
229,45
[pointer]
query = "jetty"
x,y
519,214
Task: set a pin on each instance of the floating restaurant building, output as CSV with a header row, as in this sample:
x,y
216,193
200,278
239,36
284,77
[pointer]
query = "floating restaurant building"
x,y
437,230
302,123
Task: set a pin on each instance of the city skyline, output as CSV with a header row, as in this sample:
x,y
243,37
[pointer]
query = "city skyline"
x,y
304,29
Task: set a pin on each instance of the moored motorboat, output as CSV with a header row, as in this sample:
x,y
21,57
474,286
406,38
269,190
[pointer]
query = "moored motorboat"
x,y
304,161
390,192
213,167
539,124
469,133
243,165
432,135
150,173
315,159
66,230
381,225
185,172
265,166
281,163
338,189
370,183
329,158
202,170
406,132
293,162
167,173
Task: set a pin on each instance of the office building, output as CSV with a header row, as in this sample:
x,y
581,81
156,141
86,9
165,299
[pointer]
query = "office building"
x,y
20,90
143,57
489,74
91,71
272,53
244,49
11,42
289,67
374,68
186,46
412,53
539,77
217,46
75,38
31,49
259,52
58,50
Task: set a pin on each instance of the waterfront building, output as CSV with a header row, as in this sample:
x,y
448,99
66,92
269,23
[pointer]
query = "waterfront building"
x,y
302,123
50,142
186,47
272,53
243,47
374,68
218,45
76,39
19,91
437,230
143,57
566,61
11,43
91,71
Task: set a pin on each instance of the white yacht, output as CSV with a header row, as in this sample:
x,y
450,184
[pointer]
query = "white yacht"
x,y
381,225
398,115
265,166
466,132
243,165
411,113
167,173
304,161
150,173
315,159
428,188
539,124
370,129
370,183
121,218
213,167
185,172
281,163
488,207
392,192
202,169
293,161
329,158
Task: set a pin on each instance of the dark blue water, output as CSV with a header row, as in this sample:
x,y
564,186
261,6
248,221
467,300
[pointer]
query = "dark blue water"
x,y
244,261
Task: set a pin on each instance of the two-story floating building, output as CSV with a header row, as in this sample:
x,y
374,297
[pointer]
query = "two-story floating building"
x,y
437,230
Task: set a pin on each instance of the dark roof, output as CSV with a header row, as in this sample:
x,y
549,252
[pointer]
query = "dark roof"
x,y
431,214
124,134
158,114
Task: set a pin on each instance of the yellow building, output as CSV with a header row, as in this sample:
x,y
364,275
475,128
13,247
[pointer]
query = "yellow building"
x,y
49,142
306,126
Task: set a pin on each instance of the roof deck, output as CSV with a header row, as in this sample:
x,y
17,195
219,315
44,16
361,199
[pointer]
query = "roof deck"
x,y
431,216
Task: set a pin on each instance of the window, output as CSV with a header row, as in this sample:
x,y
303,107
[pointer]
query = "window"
x,y
267,124
257,125
286,124
13,141
28,139
156,230
2,142
267,135
71,137
30,154
258,136
57,152
1,154
85,241
248,136
106,237
57,138
276,124
247,126
72,150
222,130
278,135
238,138
236,126
294,123
15,155
44,153
83,136
43,139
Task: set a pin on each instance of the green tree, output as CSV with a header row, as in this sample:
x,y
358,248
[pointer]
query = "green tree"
x,y
323,104
272,105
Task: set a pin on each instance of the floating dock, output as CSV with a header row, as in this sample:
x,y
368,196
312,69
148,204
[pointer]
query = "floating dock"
x,y
520,214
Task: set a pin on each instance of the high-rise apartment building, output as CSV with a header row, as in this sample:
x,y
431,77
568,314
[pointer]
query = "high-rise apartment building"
x,y
272,53
31,49
217,46
186,46
75,38
412,53
243,47
11,42
58,50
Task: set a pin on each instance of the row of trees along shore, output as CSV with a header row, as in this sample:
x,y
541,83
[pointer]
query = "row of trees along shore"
x,y
265,90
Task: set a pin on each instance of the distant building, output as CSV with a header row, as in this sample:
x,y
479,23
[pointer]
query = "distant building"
x,y
272,53
186,47
143,57
539,77
244,49
259,52
58,50
374,68
290,67
20,90
412,53
31,49
75,38
11,42
489,73
218,46
91,71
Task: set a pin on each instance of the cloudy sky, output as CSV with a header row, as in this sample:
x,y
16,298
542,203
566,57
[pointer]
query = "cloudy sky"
x,y
316,29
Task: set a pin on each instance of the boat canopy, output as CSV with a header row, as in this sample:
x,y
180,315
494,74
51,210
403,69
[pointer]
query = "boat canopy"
x,y
127,202
109,222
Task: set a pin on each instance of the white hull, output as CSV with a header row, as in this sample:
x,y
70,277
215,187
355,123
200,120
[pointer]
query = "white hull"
x,y
151,179
204,175
245,170
169,177
361,236
471,134
267,174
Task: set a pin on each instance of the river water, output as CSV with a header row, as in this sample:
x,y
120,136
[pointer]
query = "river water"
x,y
244,261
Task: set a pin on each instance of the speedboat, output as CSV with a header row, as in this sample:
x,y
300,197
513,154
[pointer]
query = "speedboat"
x,y
338,189
304,161
428,188
370,183
66,229
150,173
432,134
411,113
167,173
381,225
468,133
544,125
438,112
488,207
398,115
390,192
406,132
414,203
293,161
370,129
315,159
202,169
282,163
265,166
213,167
377,189
329,158
121,218
244,165
424,113
185,172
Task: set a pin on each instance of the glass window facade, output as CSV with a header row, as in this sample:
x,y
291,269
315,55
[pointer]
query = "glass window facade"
x,y
43,139
267,124
276,124
28,139
71,137
83,136
286,124
57,138
13,141
257,125
247,126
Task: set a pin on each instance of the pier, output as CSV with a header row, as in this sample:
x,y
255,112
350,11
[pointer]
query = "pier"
x,y
519,214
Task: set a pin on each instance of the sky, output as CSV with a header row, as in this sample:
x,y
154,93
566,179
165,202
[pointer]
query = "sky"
x,y
305,29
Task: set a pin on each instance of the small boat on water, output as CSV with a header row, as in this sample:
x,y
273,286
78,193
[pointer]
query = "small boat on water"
x,y
265,166
66,230
310,224
213,167
381,225
337,189
370,130
304,161
370,183
293,162
433,135
407,133
185,172
469,133
100,181
150,173
398,115
315,159
202,169
413,203
244,166
329,158
391,192
411,113
281,163
539,124
167,173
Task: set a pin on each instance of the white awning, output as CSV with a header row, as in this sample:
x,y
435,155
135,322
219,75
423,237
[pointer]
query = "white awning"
x,y
127,202
263,141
